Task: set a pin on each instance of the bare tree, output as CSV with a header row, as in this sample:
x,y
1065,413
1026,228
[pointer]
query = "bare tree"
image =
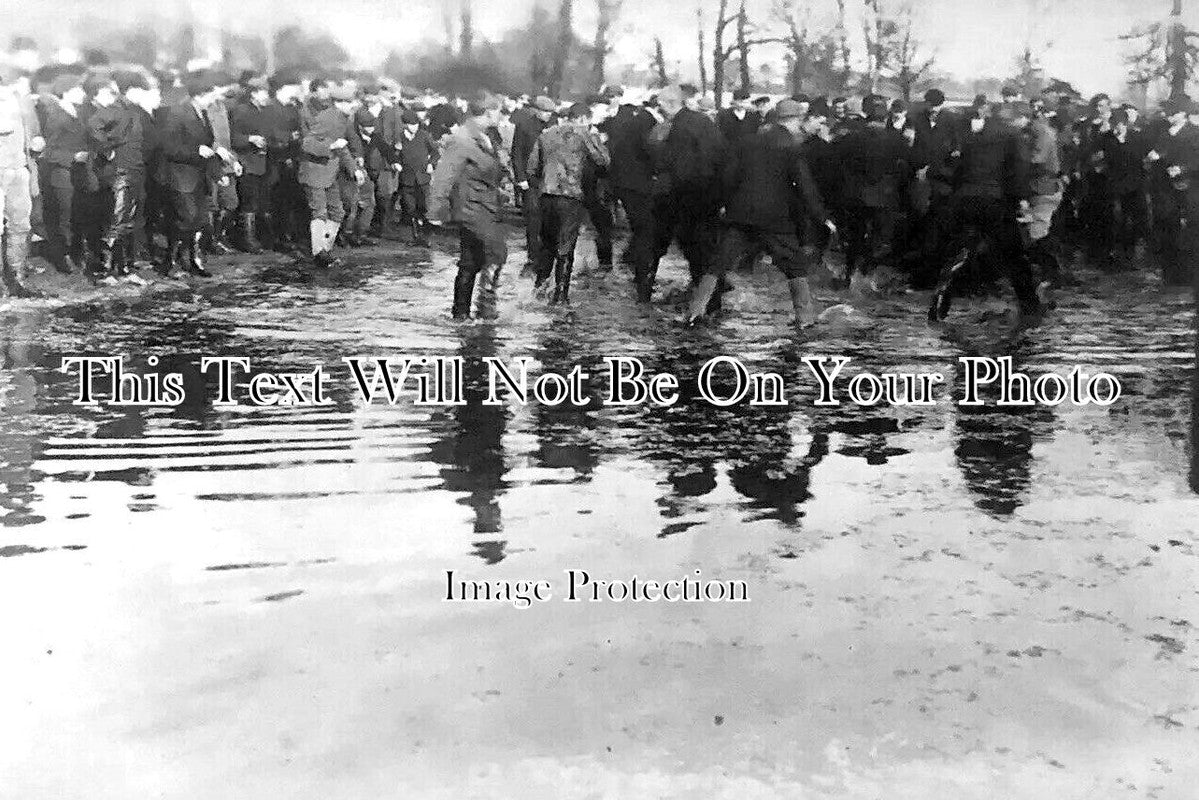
x,y
911,64
447,24
564,41
466,34
602,47
842,35
880,31
703,50
658,65
721,54
1164,51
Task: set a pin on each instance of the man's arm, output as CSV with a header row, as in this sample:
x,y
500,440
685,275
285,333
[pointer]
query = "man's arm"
x,y
445,178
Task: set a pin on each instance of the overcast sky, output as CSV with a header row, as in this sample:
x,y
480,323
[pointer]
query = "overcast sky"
x,y
972,38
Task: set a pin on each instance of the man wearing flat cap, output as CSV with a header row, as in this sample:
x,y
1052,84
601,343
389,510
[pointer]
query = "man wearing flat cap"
x,y
191,167
18,132
67,156
324,152
524,138
249,128
738,121
1174,170
770,198
417,159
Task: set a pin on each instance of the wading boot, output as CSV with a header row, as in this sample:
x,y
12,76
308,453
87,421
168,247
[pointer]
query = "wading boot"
x,y
16,257
464,289
703,293
563,266
802,302
110,260
195,256
487,291
250,243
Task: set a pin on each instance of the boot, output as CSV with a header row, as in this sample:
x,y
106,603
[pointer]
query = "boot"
x,y
110,258
703,293
195,256
802,302
464,289
170,257
563,266
267,239
220,233
249,240
488,284
422,233
330,238
16,255
77,255
128,255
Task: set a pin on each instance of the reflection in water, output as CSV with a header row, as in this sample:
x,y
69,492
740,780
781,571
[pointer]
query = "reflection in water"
x,y
472,448
566,434
994,446
18,440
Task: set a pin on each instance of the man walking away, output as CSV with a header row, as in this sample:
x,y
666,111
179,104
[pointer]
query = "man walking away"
x,y
524,138
559,164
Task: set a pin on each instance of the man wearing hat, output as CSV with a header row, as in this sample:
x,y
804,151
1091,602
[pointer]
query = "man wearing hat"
x,y
560,163
324,153
18,130
224,201
738,121
68,160
465,191
630,174
524,138
934,159
769,194
874,157
249,129
115,128
287,209
1174,162
417,158
191,166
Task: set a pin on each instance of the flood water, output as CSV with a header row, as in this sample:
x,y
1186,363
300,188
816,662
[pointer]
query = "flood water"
x,y
207,602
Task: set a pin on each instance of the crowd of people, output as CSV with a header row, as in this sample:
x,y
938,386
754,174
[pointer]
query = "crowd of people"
x,y
110,170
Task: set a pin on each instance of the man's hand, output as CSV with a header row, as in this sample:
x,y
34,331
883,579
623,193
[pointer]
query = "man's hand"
x,y
338,144
205,151
81,157
398,168
1174,171
359,177
831,226
429,169
922,173
257,141
224,154
523,186
37,144
1153,155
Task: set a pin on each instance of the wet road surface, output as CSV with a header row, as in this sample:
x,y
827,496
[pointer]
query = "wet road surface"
x,y
246,602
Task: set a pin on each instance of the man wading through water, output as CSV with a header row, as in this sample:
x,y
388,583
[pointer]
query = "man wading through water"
x,y
770,198
465,191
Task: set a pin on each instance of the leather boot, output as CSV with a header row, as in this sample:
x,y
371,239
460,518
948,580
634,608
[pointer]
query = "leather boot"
x,y
563,266
250,241
77,255
195,256
422,234
128,255
16,257
110,258
464,290
266,232
170,257
802,302
487,292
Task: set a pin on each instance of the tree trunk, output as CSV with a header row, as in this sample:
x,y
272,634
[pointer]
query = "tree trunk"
x,y
843,41
600,47
564,41
718,56
1177,58
660,64
743,48
703,56
466,36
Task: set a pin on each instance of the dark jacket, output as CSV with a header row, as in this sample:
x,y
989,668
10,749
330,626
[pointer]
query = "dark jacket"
x,y
935,145
690,160
563,158
183,132
767,184
117,137
466,182
524,139
1124,161
65,136
993,164
246,120
734,130
628,143
874,158
415,156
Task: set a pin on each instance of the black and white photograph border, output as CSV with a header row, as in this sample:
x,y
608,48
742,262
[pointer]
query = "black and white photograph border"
x,y
599,399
